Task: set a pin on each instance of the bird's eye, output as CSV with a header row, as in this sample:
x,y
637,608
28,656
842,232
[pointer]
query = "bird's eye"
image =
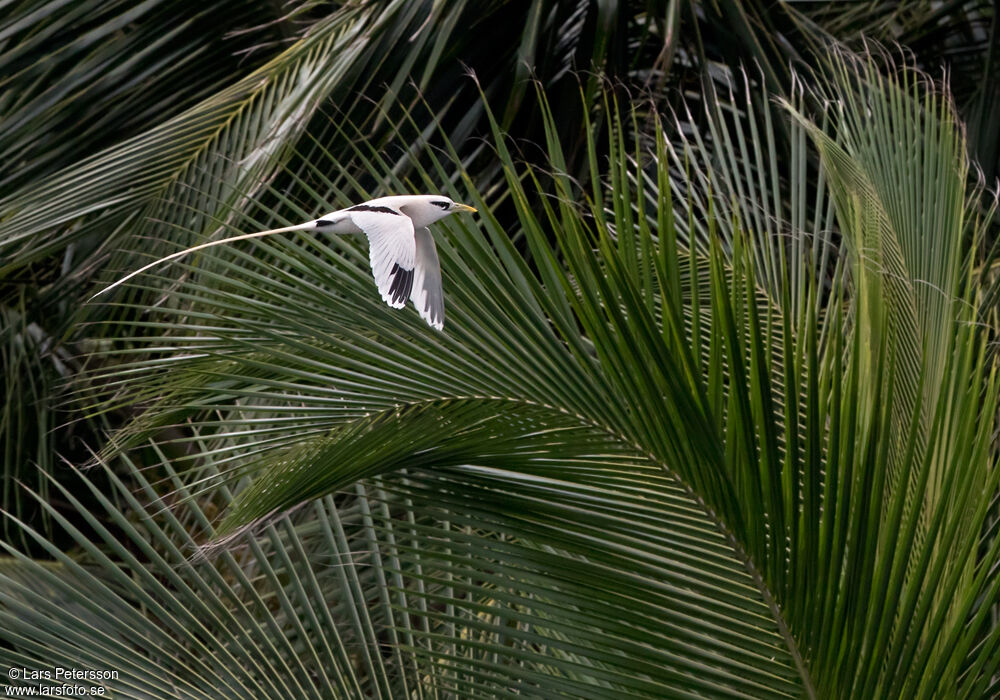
x,y
443,205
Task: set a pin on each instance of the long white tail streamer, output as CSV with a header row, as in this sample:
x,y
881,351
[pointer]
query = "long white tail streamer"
x,y
298,227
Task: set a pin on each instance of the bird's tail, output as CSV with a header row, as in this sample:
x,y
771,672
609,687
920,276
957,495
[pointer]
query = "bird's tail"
x,y
180,253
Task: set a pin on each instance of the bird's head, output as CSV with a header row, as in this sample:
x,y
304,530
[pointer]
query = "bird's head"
x,y
425,209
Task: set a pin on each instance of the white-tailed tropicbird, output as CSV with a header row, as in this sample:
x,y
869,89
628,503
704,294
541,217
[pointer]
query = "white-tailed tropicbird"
x,y
403,257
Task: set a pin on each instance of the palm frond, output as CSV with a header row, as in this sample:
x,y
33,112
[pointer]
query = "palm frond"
x,y
80,79
657,396
470,581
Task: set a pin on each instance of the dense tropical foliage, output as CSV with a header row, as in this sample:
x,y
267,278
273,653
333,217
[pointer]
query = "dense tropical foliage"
x,y
715,408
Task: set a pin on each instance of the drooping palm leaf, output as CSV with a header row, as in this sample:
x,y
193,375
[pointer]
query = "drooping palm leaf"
x,y
78,219
81,77
849,470
745,404
467,581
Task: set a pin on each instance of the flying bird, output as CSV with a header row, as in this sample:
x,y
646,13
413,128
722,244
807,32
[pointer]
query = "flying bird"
x,y
403,257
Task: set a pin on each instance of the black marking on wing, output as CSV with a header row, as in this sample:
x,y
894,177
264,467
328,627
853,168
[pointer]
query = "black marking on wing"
x,y
369,207
323,222
443,205
402,283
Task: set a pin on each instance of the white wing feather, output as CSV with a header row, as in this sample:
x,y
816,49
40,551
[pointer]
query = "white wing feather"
x,y
427,295
391,251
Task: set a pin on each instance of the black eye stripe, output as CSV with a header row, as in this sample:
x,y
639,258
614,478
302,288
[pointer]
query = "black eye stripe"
x,y
443,205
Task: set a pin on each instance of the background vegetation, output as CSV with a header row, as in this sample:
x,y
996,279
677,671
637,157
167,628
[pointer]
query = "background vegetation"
x,y
714,412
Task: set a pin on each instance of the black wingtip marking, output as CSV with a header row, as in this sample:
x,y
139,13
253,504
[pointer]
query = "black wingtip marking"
x,y
402,283
369,207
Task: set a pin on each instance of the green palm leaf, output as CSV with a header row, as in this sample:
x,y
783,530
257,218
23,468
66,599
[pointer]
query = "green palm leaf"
x,y
80,77
650,457
487,581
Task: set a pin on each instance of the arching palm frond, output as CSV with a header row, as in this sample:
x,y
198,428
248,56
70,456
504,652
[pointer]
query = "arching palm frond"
x,y
632,466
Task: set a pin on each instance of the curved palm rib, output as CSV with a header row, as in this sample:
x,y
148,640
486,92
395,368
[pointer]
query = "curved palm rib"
x,y
800,485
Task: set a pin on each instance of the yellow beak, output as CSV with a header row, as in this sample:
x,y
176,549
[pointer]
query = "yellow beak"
x,y
456,207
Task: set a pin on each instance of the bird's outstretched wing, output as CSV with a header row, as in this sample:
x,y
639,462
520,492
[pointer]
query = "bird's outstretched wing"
x,y
392,250
427,295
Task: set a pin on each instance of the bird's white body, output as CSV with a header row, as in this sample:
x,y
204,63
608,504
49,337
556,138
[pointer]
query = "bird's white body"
x,y
419,208
402,253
